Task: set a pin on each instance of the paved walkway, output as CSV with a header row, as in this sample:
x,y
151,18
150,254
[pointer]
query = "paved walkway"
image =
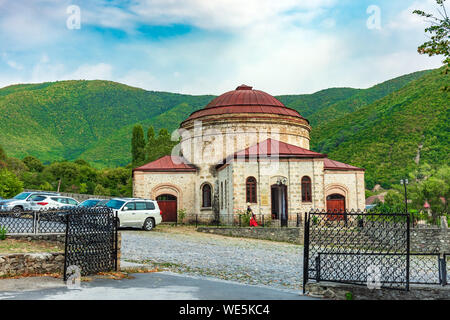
x,y
153,286
186,251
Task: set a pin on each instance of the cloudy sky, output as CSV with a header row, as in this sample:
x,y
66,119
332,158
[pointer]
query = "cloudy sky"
x,y
211,46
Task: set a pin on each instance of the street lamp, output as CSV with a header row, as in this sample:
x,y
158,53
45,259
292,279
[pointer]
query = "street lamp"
x,y
404,182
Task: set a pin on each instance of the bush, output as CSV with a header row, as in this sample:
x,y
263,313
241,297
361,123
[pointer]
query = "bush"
x,y
3,232
181,215
10,185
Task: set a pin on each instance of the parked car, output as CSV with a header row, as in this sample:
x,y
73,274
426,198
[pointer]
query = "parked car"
x,y
39,202
89,203
136,213
22,201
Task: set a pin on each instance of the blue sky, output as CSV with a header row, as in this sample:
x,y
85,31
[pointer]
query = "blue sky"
x,y
211,46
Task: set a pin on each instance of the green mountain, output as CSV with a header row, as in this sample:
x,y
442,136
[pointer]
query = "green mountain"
x,y
93,120
65,119
389,136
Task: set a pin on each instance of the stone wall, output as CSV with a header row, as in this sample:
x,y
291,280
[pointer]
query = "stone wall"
x,y
433,240
340,291
60,238
30,263
291,235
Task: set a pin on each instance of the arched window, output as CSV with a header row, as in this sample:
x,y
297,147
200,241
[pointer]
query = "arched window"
x,y
250,186
206,196
306,189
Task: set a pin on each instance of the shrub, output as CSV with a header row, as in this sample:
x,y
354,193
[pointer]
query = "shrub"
x,y
3,232
181,215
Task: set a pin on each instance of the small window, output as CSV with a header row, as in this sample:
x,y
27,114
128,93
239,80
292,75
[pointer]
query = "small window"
x,y
141,206
206,196
130,206
62,200
37,198
306,189
150,206
250,187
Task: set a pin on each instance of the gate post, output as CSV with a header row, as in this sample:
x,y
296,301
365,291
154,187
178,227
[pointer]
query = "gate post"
x,y
65,247
305,252
407,249
443,270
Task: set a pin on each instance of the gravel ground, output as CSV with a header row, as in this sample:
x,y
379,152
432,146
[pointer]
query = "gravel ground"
x,y
184,250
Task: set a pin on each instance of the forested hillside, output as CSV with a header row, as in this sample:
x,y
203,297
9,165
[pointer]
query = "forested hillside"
x,y
93,121
388,136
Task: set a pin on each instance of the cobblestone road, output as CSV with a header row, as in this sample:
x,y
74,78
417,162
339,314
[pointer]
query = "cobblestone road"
x,y
245,260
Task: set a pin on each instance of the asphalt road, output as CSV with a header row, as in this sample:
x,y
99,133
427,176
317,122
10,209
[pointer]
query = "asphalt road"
x,y
156,286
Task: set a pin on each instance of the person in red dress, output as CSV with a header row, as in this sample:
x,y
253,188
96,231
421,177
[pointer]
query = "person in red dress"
x,y
253,222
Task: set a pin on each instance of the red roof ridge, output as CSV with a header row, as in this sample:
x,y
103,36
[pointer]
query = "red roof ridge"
x,y
336,165
168,163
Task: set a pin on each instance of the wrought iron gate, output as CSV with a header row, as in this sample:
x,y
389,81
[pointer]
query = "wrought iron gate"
x,y
357,247
91,241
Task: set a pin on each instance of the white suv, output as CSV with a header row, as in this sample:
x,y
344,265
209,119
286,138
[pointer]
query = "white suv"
x,y
136,213
39,202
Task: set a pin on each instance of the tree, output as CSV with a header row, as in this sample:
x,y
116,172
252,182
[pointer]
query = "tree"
x,y
138,146
439,43
151,147
33,164
10,185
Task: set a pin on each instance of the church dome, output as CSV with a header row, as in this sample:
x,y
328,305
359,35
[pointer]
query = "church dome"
x,y
244,100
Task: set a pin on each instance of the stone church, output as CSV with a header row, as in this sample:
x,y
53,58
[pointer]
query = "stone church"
x,y
247,148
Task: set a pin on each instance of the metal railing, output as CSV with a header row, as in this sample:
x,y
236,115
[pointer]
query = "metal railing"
x,y
367,248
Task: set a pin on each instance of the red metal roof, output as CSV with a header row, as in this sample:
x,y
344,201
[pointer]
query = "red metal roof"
x,y
245,100
168,164
336,165
273,148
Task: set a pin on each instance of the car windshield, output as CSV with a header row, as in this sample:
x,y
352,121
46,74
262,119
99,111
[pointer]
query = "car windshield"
x,y
115,204
89,203
22,196
102,203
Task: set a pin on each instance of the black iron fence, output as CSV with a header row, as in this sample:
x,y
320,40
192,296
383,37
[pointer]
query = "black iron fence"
x,y
34,222
367,248
358,248
90,235
240,220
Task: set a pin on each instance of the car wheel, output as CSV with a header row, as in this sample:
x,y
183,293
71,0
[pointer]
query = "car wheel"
x,y
17,211
149,224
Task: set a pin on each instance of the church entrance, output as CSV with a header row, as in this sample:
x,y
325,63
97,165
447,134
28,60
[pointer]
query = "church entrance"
x,y
336,204
279,204
168,205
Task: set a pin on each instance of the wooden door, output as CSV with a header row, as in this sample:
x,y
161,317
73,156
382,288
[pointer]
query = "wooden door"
x,y
168,206
336,205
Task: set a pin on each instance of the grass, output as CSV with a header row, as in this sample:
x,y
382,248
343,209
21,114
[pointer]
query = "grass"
x,y
23,246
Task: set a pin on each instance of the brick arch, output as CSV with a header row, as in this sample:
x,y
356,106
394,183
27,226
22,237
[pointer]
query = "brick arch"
x,y
168,188
337,188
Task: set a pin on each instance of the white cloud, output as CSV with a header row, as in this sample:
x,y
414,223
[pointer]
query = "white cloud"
x,y
98,71
406,20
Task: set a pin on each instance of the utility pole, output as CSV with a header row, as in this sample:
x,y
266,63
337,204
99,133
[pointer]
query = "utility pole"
x,y
404,182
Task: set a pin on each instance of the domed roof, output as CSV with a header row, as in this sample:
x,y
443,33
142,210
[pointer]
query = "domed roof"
x,y
245,96
244,100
